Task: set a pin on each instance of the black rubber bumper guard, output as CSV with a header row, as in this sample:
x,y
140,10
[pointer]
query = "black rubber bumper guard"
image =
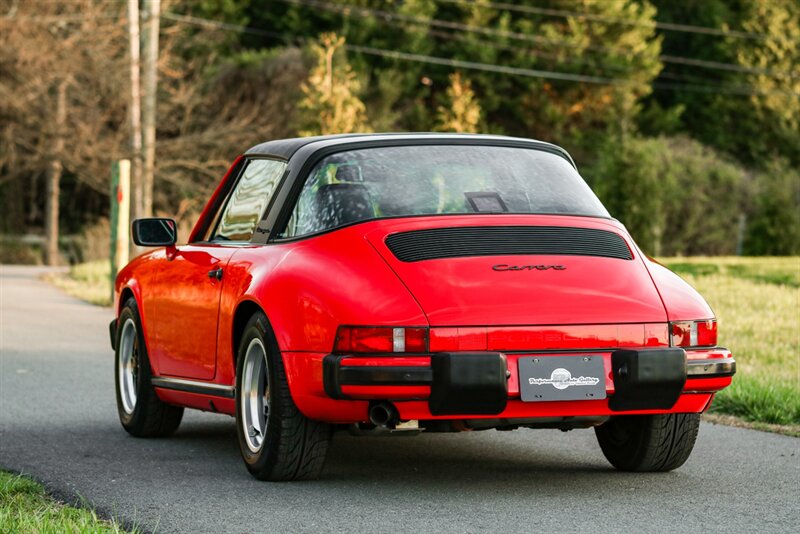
x,y
477,382
112,332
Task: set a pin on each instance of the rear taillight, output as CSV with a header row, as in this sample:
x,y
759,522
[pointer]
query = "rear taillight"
x,y
693,333
380,339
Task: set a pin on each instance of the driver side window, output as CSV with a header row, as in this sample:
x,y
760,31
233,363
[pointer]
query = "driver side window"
x,y
248,200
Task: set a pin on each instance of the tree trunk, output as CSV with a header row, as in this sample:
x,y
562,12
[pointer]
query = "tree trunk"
x,y
152,13
54,178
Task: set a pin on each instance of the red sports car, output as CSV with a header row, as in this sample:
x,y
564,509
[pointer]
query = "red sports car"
x,y
401,283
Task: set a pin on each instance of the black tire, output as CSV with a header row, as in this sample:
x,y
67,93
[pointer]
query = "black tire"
x,y
149,416
653,443
293,446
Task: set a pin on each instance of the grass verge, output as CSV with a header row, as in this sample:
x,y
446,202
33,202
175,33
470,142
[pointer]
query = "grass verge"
x,y
731,420
86,281
757,303
26,508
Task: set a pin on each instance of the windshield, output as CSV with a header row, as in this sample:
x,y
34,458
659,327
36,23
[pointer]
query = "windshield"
x,y
372,183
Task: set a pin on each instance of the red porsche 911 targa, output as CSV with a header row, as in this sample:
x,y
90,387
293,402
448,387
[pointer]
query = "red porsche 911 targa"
x,y
401,283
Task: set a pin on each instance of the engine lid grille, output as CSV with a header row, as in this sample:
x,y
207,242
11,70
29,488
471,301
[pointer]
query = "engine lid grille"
x,y
437,243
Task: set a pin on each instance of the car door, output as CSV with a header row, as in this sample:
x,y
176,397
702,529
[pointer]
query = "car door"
x,y
190,284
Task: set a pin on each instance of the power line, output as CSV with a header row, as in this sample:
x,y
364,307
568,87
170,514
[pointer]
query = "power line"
x,y
215,24
77,17
669,26
458,63
388,16
471,65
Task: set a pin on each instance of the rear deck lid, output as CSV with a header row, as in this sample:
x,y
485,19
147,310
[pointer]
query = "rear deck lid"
x,y
519,270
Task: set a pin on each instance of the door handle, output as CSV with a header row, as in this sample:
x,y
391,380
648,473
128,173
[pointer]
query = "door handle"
x,y
215,273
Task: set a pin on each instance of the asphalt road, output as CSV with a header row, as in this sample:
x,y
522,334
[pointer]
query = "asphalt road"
x,y
58,423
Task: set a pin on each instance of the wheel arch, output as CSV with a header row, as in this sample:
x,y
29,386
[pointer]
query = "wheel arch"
x,y
124,295
244,311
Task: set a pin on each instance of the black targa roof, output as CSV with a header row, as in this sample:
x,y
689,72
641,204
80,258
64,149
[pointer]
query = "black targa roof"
x,y
286,148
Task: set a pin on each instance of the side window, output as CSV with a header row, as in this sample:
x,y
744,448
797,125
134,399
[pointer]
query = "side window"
x,y
248,200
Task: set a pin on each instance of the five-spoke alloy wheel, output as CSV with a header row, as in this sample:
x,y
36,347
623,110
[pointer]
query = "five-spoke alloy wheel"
x,y
276,440
140,410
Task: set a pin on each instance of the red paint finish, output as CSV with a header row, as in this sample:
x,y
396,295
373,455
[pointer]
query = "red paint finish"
x,y
186,300
467,291
681,300
311,287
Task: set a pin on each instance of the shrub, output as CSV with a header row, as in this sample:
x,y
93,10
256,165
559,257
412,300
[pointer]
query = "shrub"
x,y
675,196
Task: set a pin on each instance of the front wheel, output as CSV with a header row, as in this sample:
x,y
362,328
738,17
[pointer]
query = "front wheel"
x,y
140,410
648,442
277,442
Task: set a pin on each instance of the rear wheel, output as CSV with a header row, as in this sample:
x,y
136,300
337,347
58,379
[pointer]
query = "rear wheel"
x,y
648,442
277,442
140,410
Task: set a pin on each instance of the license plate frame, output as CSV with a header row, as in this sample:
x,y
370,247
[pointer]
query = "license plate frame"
x,y
561,378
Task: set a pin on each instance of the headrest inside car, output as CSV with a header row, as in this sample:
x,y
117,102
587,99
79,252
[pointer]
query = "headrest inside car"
x,y
339,204
348,173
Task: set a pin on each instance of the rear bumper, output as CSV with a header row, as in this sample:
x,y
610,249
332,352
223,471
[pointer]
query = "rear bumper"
x,y
338,375
339,388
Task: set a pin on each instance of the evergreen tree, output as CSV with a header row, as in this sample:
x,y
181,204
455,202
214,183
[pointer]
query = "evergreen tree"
x,y
776,78
461,112
331,103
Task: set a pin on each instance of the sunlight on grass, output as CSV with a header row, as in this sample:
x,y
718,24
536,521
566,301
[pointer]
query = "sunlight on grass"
x,y
86,281
25,508
757,303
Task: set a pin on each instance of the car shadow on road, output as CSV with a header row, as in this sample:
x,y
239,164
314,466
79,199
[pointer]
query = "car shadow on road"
x,y
542,461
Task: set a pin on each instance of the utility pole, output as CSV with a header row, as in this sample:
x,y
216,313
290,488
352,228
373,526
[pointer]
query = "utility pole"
x,y
135,109
152,14
54,177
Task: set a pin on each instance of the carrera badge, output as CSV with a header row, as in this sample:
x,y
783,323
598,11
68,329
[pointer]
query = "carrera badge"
x,y
506,267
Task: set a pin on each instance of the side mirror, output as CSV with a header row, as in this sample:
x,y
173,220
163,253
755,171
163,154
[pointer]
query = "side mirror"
x,y
155,232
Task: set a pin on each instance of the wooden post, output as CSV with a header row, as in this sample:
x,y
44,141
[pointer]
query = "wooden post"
x,y
120,216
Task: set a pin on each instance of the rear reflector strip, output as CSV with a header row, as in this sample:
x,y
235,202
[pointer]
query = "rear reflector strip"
x,y
530,338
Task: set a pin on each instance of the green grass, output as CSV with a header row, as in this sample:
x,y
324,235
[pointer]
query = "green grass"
x,y
86,281
26,508
757,303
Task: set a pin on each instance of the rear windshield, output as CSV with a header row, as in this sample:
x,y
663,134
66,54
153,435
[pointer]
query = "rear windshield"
x,y
373,183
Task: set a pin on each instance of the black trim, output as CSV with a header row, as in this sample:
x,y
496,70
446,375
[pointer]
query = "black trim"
x,y
469,383
330,376
385,376
647,379
112,332
334,376
190,386
287,148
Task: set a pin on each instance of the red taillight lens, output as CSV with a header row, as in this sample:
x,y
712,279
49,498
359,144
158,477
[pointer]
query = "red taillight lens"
x,y
693,333
380,339
706,333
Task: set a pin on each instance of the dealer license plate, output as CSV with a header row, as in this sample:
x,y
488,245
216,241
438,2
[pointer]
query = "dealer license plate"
x,y
561,378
